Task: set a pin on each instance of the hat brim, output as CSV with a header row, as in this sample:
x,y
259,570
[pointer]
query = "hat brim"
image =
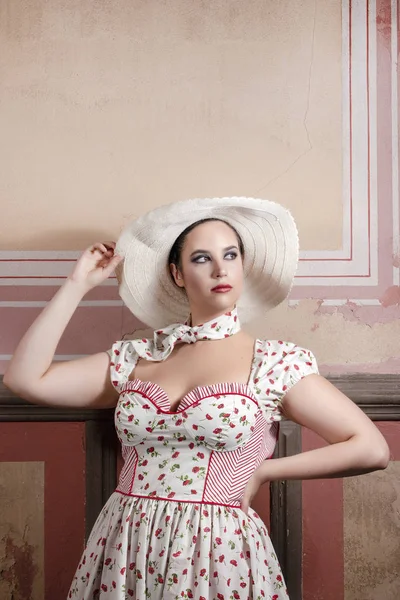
x,y
270,239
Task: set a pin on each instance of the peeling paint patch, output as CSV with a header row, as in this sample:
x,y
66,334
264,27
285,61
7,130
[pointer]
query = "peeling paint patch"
x,y
396,261
18,568
365,315
384,22
391,296
386,367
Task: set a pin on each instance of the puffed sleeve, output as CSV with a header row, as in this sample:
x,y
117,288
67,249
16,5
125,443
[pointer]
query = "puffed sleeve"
x,y
123,359
279,366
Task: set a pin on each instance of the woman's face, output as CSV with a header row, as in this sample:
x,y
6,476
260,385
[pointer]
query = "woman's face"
x,y
211,268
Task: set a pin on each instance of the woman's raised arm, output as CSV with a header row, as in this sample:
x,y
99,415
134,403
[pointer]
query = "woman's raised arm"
x,y
84,382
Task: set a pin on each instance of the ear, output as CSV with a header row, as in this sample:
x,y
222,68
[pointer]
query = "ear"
x,y
177,275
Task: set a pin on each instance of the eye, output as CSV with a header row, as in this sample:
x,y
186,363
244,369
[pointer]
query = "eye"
x,y
200,258
231,255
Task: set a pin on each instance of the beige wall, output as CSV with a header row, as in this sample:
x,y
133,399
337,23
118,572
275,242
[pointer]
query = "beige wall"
x,y
112,108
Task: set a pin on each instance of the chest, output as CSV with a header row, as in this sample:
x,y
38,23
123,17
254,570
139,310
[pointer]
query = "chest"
x,y
200,364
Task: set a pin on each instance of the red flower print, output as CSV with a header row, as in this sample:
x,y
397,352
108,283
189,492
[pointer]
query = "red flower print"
x,y
145,463
151,570
189,593
296,367
161,477
220,597
234,563
122,571
104,587
107,562
171,495
218,541
130,418
150,450
191,445
117,352
188,482
209,417
213,326
221,558
220,406
132,566
217,430
200,455
114,585
275,597
178,422
160,438
175,455
236,595
243,584
184,572
196,469
130,592
146,406
160,578
279,578
176,554
195,427
149,429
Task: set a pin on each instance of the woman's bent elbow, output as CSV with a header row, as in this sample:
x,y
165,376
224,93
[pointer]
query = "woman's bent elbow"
x,y
379,456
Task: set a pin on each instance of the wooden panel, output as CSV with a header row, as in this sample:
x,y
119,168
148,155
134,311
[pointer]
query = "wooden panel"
x,y
22,530
61,449
372,529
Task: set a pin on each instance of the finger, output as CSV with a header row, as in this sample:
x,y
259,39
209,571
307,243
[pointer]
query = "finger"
x,y
103,249
114,262
110,245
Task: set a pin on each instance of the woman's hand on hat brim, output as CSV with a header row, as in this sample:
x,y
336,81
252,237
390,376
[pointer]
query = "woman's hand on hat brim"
x,y
95,265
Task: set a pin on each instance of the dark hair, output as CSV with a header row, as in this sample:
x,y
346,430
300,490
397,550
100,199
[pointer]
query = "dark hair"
x,y
176,250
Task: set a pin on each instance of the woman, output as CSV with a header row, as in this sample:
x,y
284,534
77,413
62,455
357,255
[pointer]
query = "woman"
x,y
197,406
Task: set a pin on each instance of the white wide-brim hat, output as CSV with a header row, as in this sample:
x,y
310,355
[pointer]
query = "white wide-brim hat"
x,y
270,240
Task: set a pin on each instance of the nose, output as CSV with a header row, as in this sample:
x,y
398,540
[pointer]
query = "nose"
x,y
220,271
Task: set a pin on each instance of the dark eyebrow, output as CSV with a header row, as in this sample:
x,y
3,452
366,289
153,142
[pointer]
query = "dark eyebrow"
x,y
208,252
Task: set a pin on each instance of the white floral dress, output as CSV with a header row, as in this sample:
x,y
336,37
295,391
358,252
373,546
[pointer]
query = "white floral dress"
x,y
173,529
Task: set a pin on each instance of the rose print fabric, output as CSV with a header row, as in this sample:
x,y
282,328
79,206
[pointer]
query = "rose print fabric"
x,y
173,529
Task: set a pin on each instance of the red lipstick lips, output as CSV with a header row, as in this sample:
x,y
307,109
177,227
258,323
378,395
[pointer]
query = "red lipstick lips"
x,y
222,289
